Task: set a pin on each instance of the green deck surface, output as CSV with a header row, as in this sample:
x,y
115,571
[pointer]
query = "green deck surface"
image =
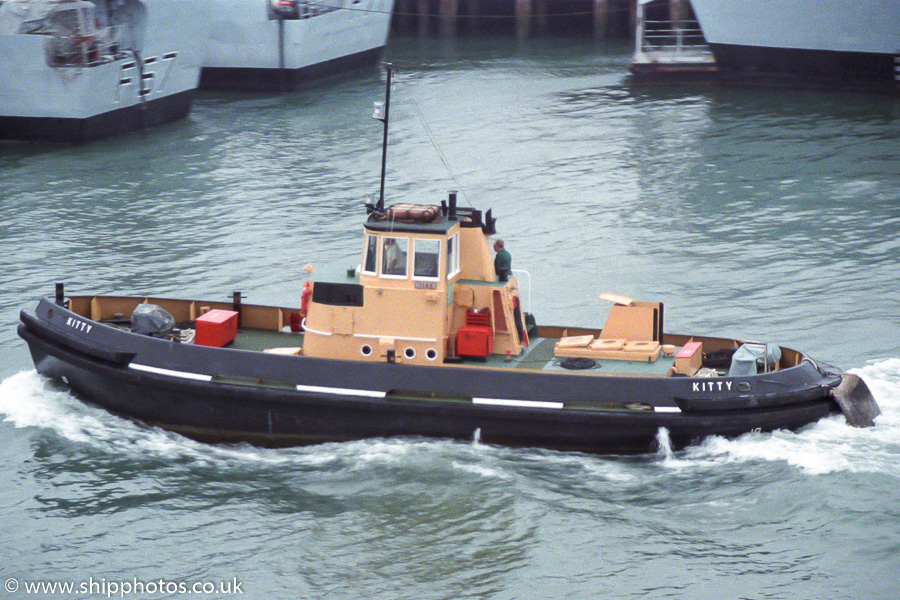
x,y
259,340
538,356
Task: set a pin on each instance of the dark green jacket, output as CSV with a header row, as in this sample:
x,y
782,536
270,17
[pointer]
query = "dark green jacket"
x,y
503,264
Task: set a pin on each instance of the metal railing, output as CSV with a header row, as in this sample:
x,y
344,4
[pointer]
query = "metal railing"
x,y
526,300
666,36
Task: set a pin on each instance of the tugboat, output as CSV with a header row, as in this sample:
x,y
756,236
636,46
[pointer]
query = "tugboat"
x,y
420,336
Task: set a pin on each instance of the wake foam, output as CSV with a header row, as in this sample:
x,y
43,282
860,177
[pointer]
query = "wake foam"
x,y
29,400
828,446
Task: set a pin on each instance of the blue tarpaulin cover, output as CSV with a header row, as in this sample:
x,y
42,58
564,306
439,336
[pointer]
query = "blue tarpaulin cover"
x,y
748,356
148,319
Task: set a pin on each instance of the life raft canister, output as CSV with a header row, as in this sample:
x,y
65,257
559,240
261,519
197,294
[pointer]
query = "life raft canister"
x,y
296,318
412,213
304,298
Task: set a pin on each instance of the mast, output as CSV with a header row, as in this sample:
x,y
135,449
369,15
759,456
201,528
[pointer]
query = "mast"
x,y
383,116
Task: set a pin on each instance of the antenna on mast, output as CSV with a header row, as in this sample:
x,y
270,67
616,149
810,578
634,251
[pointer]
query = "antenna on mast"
x,y
382,113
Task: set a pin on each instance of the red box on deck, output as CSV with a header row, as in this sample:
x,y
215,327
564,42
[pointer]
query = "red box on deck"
x,y
216,328
474,340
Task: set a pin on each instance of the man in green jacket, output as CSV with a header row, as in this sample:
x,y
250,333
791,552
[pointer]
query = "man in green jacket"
x,y
502,262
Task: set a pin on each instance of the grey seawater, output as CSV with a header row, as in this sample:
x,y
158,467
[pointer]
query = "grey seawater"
x,y
762,214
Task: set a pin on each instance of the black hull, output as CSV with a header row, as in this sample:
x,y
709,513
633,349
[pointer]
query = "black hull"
x,y
117,122
260,80
800,68
278,401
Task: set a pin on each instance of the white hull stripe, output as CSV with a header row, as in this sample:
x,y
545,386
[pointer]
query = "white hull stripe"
x,y
517,403
376,394
340,391
170,373
300,388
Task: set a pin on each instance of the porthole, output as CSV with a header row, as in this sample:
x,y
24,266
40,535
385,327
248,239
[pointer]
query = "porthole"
x,y
744,386
49,313
431,354
366,350
409,353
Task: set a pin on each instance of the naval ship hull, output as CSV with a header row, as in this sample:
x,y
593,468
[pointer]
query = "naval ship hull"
x,y
129,66
105,124
802,43
251,48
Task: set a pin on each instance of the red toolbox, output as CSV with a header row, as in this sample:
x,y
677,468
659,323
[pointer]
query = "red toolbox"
x,y
216,328
475,338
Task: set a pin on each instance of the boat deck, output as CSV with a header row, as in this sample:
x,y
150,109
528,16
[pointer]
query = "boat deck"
x,y
538,355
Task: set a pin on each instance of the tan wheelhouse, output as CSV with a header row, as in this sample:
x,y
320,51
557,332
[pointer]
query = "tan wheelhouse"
x,y
423,271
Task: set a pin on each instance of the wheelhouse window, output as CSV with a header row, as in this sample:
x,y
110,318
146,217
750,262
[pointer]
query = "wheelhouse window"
x,y
426,259
370,260
394,252
452,255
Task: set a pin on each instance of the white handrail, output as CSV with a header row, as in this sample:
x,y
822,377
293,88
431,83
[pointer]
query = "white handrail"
x,y
526,305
